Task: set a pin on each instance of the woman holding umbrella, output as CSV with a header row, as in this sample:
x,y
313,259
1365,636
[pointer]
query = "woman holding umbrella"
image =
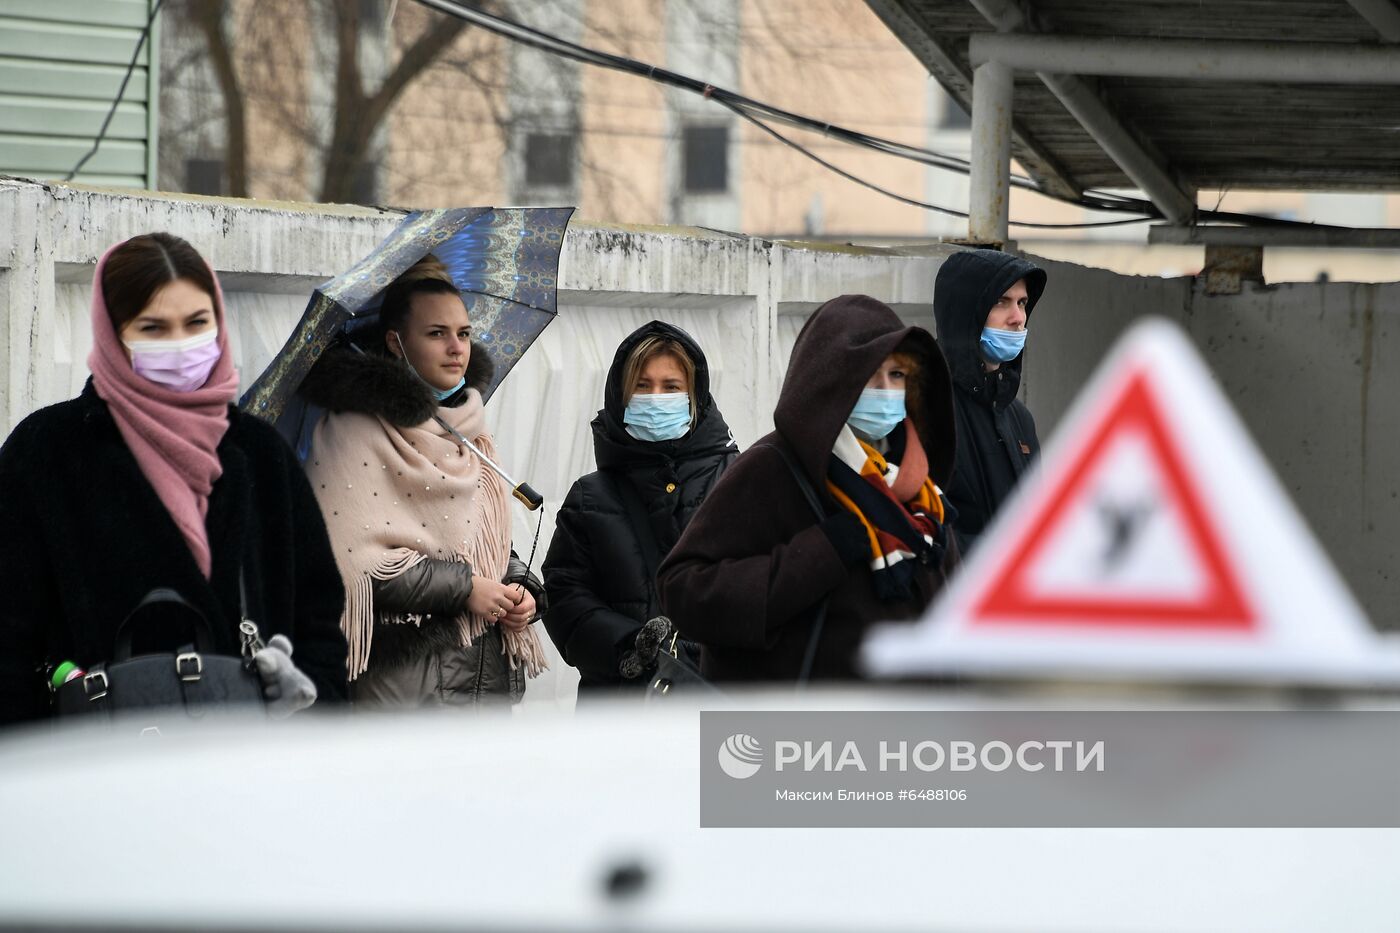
x,y
660,443
150,480
438,608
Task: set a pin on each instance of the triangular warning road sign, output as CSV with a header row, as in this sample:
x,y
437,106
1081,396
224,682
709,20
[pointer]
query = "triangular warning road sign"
x,y
1151,540
1124,538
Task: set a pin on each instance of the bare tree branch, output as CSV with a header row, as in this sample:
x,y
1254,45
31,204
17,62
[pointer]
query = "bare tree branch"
x,y
426,48
357,113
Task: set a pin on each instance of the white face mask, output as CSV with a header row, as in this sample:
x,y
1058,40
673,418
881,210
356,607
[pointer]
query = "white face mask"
x,y
180,365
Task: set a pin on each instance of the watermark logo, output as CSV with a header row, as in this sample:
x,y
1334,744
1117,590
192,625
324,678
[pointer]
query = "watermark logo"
x,y
740,756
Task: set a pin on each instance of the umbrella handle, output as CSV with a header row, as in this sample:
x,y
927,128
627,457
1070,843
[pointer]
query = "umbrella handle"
x,y
522,491
531,499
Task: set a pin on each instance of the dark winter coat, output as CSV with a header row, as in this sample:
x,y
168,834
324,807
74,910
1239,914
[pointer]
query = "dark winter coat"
x,y
425,663
84,537
749,572
600,591
996,434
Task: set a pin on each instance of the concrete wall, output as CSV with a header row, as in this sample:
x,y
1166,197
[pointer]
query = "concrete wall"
x,y
1315,372
1306,364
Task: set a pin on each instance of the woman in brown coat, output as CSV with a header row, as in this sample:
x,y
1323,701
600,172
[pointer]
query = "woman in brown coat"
x,y
866,416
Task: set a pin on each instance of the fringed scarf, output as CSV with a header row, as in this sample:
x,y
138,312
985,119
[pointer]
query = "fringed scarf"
x,y
900,507
395,496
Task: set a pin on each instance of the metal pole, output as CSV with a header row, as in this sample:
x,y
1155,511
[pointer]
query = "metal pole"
x,y
1197,59
522,491
1176,201
1086,107
1277,236
990,183
1383,16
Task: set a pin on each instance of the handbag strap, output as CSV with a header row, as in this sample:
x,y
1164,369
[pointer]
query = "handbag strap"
x,y
163,596
646,535
203,633
809,656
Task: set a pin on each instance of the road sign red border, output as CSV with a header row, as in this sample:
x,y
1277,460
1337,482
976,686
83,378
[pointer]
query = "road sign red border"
x,y
1006,598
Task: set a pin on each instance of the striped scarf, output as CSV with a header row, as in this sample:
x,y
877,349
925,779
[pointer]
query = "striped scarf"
x,y
902,535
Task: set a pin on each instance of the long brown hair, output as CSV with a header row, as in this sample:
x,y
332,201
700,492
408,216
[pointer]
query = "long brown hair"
x,y
143,265
911,359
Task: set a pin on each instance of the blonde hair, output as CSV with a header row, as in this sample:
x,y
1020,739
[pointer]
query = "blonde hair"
x,y
649,349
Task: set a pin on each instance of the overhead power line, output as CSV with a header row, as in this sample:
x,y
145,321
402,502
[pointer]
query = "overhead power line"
x,y
761,113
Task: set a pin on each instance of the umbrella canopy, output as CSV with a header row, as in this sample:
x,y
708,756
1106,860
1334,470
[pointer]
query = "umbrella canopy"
x,y
505,261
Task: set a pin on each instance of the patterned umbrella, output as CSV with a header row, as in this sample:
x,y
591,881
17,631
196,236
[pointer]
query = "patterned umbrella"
x,y
504,260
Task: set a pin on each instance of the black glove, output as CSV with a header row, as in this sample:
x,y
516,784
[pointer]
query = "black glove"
x,y
642,658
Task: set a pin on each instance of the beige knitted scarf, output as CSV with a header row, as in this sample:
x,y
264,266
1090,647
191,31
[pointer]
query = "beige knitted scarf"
x,y
395,496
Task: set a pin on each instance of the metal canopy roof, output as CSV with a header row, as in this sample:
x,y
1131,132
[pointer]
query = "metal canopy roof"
x,y
1213,131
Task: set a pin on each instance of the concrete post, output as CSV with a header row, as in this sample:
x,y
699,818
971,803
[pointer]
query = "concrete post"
x,y
989,209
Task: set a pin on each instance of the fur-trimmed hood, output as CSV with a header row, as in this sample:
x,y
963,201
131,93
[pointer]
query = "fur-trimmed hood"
x,y
344,379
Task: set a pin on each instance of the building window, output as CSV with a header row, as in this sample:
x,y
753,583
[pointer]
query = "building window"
x,y
549,160
954,117
705,150
204,176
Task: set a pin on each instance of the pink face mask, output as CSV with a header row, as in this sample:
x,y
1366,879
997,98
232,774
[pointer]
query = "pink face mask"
x,y
181,365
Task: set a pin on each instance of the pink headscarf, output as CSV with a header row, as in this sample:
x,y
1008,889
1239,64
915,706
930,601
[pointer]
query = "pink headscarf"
x,y
173,435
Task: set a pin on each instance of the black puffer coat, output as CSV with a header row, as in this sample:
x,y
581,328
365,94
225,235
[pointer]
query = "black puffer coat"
x,y
599,590
996,434
84,537
420,665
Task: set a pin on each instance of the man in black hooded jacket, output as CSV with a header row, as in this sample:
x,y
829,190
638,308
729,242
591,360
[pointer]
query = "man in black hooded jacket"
x,y
982,301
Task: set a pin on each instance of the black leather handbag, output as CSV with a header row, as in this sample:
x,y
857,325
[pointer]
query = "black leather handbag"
x,y
678,669
194,678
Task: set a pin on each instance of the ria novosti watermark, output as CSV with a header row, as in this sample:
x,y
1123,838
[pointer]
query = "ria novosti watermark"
x,y
1306,768
928,755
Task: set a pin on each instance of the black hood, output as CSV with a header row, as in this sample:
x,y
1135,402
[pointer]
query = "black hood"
x,y
967,287
379,384
840,346
614,448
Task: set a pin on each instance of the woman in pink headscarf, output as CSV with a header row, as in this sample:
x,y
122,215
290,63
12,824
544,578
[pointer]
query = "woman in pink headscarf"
x,y
151,479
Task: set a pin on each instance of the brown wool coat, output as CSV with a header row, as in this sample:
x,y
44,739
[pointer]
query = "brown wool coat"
x,y
748,573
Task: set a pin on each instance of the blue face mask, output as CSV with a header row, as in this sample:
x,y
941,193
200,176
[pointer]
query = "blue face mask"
x,y
1002,346
661,417
445,394
877,412
441,395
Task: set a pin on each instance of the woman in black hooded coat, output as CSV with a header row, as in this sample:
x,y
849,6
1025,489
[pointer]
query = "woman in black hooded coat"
x,y
600,587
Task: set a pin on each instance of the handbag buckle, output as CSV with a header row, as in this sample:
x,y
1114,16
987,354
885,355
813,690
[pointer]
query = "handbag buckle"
x,y
91,692
662,685
189,665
